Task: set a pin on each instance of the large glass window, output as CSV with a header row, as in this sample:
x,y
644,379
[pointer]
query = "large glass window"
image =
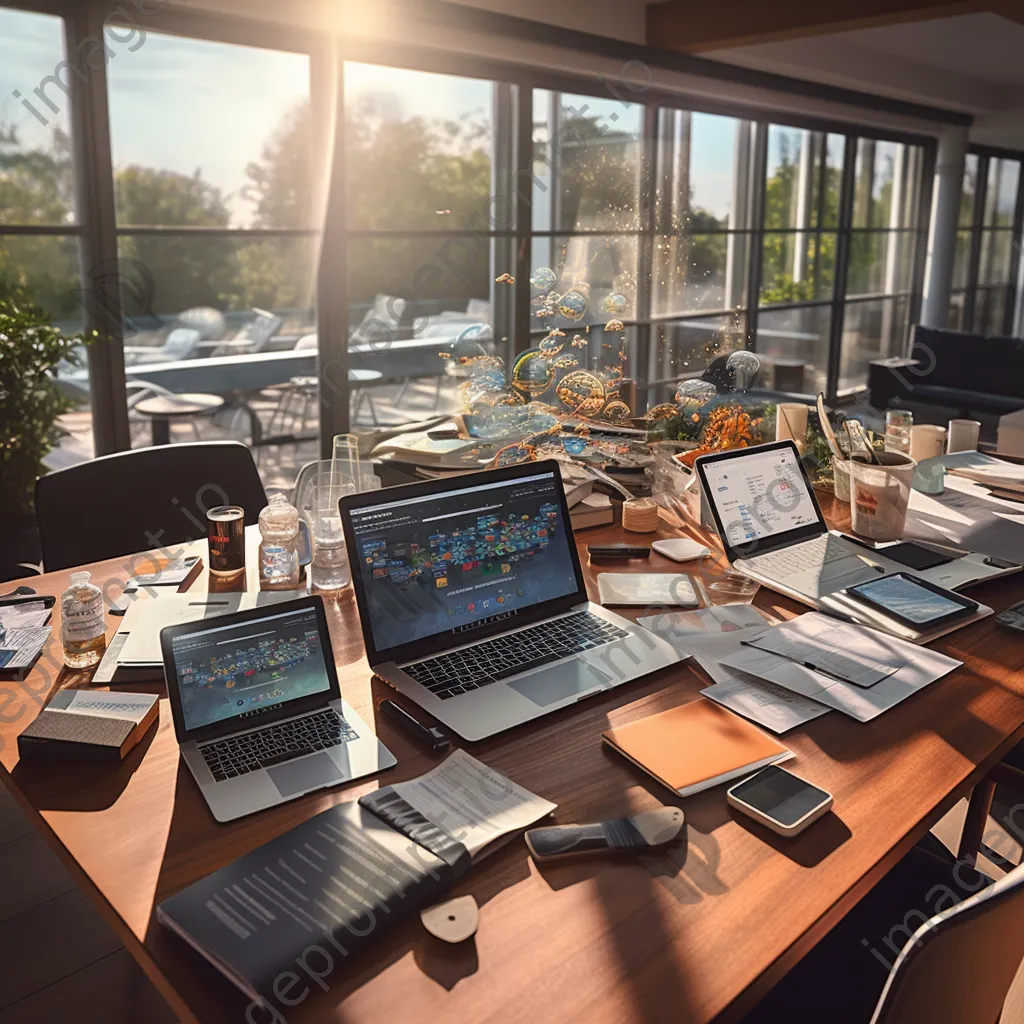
x,y
430,214
214,159
985,291
40,231
885,238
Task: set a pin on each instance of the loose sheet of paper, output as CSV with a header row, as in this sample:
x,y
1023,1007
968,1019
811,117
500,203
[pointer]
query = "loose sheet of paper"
x,y
723,618
775,708
965,514
26,615
632,588
771,706
471,802
20,647
862,703
855,653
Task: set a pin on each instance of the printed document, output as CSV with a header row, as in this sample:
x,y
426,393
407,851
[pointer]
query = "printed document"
x,y
471,802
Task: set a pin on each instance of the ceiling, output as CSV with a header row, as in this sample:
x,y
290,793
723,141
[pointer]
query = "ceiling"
x,y
970,62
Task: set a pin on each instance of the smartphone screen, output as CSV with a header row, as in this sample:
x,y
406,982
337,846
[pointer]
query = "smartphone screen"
x,y
779,795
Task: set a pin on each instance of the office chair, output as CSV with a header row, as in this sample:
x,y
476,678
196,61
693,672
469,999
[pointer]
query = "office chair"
x,y
140,500
955,968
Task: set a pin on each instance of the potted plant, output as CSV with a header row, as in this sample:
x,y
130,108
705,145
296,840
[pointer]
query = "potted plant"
x,y
30,350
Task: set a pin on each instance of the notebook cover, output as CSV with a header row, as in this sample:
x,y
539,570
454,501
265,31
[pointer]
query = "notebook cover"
x,y
696,746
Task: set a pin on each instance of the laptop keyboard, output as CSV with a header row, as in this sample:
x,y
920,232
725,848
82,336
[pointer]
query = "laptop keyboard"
x,y
810,556
263,748
449,675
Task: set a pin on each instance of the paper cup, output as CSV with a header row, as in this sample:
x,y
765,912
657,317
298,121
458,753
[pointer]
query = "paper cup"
x,y
841,479
880,494
963,436
927,441
791,421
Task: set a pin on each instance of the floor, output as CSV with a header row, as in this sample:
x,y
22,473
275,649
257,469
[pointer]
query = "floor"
x,y
61,961
65,964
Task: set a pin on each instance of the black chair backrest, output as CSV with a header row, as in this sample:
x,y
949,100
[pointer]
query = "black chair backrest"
x,y
149,498
959,965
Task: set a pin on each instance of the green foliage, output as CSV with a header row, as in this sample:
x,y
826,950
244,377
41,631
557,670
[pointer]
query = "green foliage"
x,y
30,349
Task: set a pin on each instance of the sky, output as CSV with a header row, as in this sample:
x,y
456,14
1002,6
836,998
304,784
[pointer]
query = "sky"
x,y
186,105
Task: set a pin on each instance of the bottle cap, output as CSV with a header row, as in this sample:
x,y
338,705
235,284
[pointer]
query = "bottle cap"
x,y
280,514
81,576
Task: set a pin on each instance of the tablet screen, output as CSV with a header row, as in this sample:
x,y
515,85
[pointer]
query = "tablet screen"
x,y
908,600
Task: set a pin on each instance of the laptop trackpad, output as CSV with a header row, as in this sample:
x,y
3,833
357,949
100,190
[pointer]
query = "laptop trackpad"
x,y
550,685
304,774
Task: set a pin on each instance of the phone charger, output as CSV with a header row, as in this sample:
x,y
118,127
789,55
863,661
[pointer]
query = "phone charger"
x,y
680,549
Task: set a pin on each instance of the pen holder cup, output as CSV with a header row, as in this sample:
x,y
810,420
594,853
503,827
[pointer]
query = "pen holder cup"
x,y
879,495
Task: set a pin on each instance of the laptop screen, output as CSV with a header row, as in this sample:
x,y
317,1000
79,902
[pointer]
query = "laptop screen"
x,y
452,561
762,493
249,668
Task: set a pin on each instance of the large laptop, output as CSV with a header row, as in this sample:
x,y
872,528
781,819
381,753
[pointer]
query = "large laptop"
x,y
473,604
772,529
257,708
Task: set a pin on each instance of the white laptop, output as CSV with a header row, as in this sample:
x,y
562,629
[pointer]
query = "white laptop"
x,y
258,711
772,529
473,604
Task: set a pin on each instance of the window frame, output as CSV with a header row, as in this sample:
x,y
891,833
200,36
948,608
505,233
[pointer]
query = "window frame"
x,y
93,171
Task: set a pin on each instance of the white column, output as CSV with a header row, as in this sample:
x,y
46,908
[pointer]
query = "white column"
x,y
802,217
949,176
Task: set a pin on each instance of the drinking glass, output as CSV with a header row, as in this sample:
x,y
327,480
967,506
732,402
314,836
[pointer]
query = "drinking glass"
x,y
329,571
898,423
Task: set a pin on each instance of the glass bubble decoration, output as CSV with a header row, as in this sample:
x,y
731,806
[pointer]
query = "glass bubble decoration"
x,y
573,305
543,279
581,392
532,373
574,445
695,391
744,366
615,303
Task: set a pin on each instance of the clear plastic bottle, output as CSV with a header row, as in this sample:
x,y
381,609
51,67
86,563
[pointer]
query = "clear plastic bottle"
x,y
82,629
279,549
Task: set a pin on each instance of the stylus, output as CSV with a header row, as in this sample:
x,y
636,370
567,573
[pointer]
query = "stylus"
x,y
433,738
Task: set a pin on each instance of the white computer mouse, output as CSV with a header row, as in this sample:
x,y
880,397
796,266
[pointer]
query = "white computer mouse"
x,y
680,549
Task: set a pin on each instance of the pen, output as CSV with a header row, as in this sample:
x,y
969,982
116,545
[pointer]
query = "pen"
x,y
429,736
874,565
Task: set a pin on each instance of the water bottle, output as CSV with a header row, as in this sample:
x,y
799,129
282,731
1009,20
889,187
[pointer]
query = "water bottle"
x,y
279,549
82,630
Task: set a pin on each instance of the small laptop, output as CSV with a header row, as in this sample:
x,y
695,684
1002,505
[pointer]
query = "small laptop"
x,y
473,604
258,711
772,529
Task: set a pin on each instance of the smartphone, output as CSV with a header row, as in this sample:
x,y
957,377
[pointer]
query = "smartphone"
x,y
779,800
913,601
614,552
1012,617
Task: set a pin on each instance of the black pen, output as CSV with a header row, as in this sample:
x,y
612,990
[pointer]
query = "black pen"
x,y
429,736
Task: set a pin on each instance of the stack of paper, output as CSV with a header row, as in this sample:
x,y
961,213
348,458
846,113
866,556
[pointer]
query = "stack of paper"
x,y
797,657
23,634
986,469
714,633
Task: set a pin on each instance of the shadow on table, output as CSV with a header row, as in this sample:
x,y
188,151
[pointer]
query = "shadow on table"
x,y
66,785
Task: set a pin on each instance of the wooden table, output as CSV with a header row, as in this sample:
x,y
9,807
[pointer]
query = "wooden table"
x,y
694,935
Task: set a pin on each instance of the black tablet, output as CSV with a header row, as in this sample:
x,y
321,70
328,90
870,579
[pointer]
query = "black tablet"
x,y
912,601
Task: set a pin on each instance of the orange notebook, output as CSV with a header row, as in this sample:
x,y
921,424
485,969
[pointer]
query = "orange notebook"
x,y
696,746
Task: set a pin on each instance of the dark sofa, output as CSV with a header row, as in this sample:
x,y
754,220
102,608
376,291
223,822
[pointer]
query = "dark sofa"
x,y
952,374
